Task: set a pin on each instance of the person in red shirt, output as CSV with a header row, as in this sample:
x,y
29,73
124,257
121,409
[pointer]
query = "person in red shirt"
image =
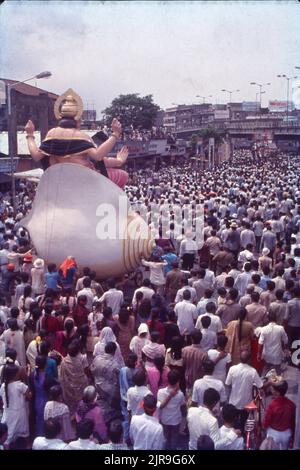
x,y
49,322
280,417
80,312
156,325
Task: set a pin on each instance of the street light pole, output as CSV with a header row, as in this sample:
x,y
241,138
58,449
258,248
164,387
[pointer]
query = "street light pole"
x,y
230,93
12,130
12,144
260,90
203,97
288,94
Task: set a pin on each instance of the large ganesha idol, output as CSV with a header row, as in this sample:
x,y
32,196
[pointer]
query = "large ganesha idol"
x,y
80,208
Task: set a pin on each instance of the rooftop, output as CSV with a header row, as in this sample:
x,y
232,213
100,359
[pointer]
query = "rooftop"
x,y
26,89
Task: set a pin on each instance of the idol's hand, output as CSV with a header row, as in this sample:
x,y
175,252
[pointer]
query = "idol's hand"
x,y
116,127
122,155
29,128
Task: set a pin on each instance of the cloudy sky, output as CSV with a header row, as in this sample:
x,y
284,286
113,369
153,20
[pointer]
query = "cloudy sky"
x,y
172,50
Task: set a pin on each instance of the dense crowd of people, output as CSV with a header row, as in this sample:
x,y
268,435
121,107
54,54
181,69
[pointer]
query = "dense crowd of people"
x,y
171,364
142,135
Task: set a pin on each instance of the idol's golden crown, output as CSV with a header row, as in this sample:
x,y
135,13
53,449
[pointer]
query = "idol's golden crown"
x,y
68,105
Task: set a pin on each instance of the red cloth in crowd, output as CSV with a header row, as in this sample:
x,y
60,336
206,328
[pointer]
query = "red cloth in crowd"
x,y
80,315
258,365
50,324
280,414
159,327
66,265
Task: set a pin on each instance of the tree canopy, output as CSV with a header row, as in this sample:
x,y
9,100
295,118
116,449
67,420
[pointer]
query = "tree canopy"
x,y
132,110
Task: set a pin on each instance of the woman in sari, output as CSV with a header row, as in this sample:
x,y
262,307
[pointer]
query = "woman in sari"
x,y
106,370
107,336
64,338
157,375
13,338
88,408
57,410
14,394
142,339
239,333
39,384
74,375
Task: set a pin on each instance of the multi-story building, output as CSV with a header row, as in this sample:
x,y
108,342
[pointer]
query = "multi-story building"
x,y
184,117
29,102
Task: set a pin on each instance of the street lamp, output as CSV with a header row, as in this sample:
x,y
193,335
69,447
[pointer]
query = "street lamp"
x,y
288,94
256,94
203,97
11,129
230,93
260,85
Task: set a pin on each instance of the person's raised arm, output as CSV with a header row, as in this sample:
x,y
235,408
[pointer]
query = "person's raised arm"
x,y
34,151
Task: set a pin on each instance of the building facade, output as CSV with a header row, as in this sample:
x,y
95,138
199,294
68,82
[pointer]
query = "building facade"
x,y
29,102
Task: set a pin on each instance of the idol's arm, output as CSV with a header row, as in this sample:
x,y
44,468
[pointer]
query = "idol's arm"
x,y
34,151
117,162
108,145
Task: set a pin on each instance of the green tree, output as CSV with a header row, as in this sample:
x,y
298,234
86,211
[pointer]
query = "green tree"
x,y
210,132
132,110
206,133
193,142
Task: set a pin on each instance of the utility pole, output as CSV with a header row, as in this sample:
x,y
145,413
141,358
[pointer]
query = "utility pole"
x,y
288,94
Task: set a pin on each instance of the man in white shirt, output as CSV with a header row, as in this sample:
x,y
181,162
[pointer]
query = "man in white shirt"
x,y
136,393
279,307
201,420
278,280
246,255
87,291
201,285
113,298
209,275
79,284
207,381
187,251
146,291
247,236
243,279
157,275
185,286
272,341
19,291
85,430
240,380
4,257
220,358
186,314
201,306
209,337
146,433
215,324
214,243
52,429
230,440
172,407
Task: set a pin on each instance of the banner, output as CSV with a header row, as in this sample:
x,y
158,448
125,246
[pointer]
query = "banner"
x,y
220,114
280,106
